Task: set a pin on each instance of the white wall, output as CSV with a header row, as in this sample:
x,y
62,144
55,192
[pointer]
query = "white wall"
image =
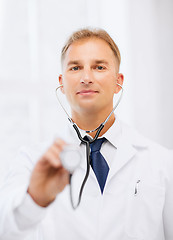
x,y
32,33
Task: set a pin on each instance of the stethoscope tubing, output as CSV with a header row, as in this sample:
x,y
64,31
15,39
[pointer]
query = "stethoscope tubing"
x,y
87,143
84,180
106,120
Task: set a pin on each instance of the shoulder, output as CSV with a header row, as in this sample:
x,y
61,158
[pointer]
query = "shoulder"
x,y
33,151
141,142
30,154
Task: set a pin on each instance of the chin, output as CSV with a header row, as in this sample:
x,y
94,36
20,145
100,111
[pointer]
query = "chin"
x,y
90,108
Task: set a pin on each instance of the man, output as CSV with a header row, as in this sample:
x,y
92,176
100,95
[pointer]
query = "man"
x,y
135,200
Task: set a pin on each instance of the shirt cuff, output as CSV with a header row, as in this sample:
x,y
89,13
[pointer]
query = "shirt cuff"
x,y
29,213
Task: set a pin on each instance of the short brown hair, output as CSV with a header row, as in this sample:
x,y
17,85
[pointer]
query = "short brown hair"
x,y
87,33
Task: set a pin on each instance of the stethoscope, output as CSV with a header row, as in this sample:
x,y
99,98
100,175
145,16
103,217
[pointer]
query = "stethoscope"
x,y
87,142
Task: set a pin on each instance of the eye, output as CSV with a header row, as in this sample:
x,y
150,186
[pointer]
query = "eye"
x,y
75,68
100,67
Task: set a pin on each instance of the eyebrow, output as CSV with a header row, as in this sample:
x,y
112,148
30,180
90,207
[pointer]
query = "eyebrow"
x,y
76,62
101,61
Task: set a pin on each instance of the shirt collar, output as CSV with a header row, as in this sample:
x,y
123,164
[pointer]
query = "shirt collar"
x,y
113,134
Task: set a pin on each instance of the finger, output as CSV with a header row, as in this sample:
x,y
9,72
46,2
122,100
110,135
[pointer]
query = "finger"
x,y
52,155
63,177
52,159
60,143
56,150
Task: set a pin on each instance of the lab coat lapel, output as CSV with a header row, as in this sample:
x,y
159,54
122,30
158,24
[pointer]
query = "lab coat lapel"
x,y
130,143
125,152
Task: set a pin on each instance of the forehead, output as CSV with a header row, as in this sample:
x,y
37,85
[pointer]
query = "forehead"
x,y
89,49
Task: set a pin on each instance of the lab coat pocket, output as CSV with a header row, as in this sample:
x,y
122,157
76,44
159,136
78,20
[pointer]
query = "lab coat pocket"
x,y
144,211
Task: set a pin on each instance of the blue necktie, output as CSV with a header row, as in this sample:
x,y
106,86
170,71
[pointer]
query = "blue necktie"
x,y
98,163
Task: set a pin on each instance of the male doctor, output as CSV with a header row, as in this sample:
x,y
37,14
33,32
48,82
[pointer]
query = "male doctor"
x,y
135,198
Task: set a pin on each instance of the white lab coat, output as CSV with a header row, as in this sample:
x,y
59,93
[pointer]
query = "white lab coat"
x,y
118,214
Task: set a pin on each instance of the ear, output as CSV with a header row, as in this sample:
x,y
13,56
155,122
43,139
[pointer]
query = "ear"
x,y
120,80
61,83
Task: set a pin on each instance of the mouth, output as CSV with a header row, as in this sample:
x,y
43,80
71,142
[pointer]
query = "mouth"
x,y
86,92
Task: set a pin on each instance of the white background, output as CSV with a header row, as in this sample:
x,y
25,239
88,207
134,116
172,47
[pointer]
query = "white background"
x,y
32,33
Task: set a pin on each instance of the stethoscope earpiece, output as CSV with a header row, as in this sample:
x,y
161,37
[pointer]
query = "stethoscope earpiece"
x,y
120,85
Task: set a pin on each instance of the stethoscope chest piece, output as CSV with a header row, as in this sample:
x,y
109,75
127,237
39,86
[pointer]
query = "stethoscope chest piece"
x,y
71,157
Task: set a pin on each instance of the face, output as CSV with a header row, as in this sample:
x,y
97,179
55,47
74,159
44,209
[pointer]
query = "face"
x,y
90,73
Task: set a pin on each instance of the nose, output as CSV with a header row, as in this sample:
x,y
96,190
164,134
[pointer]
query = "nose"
x,y
86,77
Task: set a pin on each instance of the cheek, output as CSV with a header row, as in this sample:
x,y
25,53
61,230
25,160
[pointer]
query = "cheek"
x,y
67,84
70,80
69,89
109,85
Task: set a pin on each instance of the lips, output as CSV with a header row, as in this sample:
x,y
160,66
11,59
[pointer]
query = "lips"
x,y
87,92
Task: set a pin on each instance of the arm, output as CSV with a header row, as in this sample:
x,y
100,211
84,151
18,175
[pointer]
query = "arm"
x,y
48,177
42,182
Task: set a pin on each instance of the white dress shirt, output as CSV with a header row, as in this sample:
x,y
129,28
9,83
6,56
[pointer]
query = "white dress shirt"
x,y
136,204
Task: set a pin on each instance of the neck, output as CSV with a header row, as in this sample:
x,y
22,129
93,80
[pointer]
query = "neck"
x,y
92,121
